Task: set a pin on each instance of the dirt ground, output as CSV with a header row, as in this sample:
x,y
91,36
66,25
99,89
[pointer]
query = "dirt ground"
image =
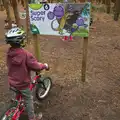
x,y
70,99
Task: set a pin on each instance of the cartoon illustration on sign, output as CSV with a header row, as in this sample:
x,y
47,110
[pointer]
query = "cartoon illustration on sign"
x,y
60,19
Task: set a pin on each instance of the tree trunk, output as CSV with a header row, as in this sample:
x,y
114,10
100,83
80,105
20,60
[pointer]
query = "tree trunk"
x,y
1,5
27,21
22,3
117,10
108,5
7,7
99,1
81,1
103,1
16,13
113,1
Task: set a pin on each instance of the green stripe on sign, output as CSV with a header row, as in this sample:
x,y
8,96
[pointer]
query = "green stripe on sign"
x,y
35,6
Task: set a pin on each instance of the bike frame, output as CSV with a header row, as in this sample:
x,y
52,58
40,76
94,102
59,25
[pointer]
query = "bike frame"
x,y
20,108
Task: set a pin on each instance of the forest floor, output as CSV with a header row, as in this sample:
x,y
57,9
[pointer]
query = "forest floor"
x,y
70,99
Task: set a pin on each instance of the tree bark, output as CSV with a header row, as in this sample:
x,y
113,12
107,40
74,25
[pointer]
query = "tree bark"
x,y
7,7
27,21
22,2
99,1
103,1
16,13
113,1
117,10
1,5
81,1
108,6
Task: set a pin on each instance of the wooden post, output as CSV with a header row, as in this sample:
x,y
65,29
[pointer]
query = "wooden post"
x,y
36,46
84,59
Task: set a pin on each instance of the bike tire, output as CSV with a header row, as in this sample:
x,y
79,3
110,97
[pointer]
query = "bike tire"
x,y
10,115
39,88
4,116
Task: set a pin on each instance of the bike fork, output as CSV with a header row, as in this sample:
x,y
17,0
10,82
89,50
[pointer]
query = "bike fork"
x,y
17,113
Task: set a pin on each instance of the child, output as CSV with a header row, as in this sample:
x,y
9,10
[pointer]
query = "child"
x,y
20,62
14,24
6,24
66,38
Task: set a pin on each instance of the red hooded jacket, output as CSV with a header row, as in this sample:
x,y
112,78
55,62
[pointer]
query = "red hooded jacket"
x,y
20,62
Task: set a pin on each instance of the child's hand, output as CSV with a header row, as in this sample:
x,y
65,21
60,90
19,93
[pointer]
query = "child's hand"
x,y
46,65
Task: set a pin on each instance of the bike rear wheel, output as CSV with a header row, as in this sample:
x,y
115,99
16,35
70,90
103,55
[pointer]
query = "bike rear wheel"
x,y
8,114
43,88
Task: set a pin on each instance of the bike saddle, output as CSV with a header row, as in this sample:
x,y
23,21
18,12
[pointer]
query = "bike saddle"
x,y
15,90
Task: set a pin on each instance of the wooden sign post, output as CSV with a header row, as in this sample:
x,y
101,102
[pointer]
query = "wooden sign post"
x,y
36,47
51,19
84,59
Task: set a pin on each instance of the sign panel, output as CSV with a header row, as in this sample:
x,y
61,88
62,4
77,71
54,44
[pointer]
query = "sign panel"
x,y
60,19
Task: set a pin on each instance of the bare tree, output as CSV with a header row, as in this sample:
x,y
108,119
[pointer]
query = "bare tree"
x,y
108,6
103,1
16,13
117,10
7,8
1,5
27,20
22,2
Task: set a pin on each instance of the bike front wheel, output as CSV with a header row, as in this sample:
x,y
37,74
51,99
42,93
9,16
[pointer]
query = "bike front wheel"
x,y
43,88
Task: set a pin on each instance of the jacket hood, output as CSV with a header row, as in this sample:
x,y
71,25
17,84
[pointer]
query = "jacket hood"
x,y
15,55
